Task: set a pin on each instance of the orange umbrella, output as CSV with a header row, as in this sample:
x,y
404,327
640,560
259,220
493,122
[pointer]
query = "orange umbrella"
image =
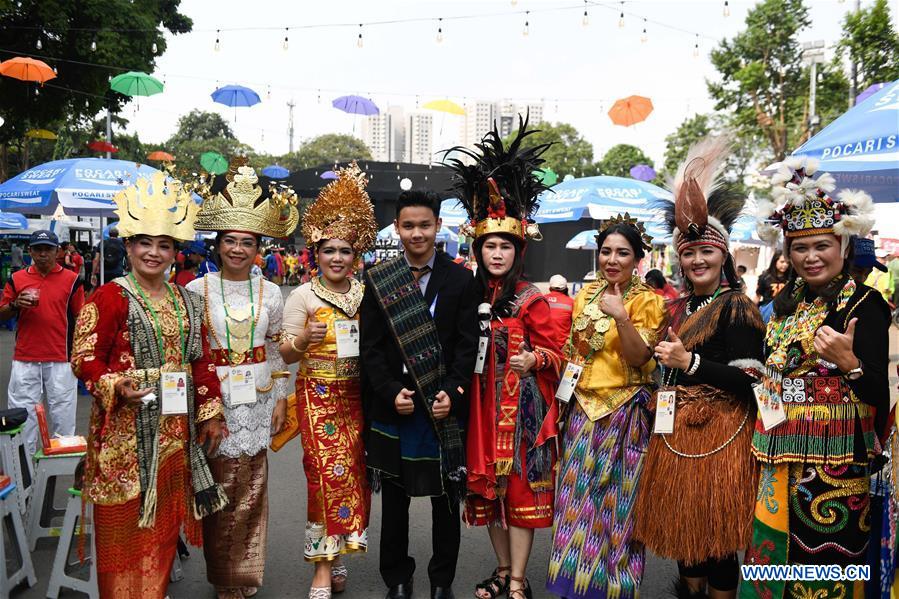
x,y
630,111
161,156
27,69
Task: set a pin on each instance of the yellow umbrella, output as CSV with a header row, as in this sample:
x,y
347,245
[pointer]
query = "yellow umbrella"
x,y
445,106
40,134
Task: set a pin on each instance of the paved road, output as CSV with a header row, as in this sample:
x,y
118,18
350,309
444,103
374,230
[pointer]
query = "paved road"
x,y
286,573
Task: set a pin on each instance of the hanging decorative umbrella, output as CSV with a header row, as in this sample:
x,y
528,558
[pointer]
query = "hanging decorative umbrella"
x,y
275,171
869,91
643,172
355,105
40,134
447,106
547,176
235,95
328,175
27,69
214,163
160,156
102,146
135,83
630,111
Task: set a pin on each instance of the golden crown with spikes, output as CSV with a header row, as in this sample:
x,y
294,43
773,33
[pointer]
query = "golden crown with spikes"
x,y
237,207
344,211
627,219
156,206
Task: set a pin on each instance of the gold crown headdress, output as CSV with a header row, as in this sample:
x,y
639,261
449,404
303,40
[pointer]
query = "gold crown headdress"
x,y
237,207
344,211
156,206
627,219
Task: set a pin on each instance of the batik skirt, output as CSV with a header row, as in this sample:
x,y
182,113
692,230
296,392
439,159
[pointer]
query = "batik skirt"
x,y
594,554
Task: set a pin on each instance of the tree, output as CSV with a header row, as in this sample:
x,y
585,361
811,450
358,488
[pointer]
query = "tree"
x,y
870,41
763,84
570,153
324,150
678,143
187,152
68,31
617,162
200,125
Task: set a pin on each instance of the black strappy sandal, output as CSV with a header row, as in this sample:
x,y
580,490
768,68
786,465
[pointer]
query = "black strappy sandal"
x,y
495,586
523,593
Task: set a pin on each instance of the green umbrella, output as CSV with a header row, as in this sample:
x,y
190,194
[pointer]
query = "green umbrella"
x,y
548,176
135,83
214,163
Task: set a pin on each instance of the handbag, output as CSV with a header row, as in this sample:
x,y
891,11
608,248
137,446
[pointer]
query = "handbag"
x,y
12,418
291,426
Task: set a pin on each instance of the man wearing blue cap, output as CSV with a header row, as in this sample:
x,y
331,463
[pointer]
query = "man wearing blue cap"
x,y
46,298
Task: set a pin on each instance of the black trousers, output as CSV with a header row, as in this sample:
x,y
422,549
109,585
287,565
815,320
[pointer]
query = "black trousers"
x,y
396,565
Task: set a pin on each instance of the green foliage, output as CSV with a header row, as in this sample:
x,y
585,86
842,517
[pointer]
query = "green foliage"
x,y
617,162
870,40
678,143
198,125
570,153
325,150
80,91
763,84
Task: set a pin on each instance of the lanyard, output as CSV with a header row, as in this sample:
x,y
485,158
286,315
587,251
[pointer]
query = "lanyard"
x,y
159,338
228,316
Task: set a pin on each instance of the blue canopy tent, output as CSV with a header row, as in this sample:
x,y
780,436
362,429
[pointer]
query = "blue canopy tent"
x,y
861,148
9,220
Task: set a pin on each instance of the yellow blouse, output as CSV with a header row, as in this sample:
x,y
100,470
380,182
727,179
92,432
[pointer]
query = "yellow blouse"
x,y
608,381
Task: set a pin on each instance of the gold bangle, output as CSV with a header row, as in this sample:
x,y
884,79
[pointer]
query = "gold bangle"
x,y
293,344
280,374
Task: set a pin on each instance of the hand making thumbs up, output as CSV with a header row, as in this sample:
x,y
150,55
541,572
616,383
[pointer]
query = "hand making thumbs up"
x,y
672,353
522,362
612,303
315,331
837,347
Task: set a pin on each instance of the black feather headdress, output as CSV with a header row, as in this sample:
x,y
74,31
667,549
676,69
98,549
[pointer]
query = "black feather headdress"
x,y
705,207
499,189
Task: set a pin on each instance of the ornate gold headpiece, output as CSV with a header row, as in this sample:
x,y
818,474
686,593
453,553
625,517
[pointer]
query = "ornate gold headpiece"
x,y
237,207
343,210
156,206
627,219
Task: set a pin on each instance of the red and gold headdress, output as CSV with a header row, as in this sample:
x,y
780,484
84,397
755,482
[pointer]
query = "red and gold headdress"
x,y
499,189
343,210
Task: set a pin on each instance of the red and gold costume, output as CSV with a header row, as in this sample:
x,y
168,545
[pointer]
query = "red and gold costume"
x,y
134,561
512,424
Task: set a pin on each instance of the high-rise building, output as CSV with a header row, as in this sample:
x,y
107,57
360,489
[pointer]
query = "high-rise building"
x,y
419,136
384,134
480,117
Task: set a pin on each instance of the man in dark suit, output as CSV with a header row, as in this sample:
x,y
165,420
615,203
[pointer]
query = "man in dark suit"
x,y
410,440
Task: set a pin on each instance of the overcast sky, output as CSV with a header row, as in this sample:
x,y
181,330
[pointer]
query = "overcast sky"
x,y
578,70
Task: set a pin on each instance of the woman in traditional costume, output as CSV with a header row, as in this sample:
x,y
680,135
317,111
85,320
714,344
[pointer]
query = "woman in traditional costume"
x,y
696,496
135,341
825,394
617,319
243,316
512,430
321,325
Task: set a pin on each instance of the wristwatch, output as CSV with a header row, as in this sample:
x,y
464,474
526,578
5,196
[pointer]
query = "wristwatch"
x,y
856,373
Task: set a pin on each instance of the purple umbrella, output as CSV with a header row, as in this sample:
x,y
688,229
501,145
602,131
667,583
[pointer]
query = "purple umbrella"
x,y
355,105
643,172
328,175
872,89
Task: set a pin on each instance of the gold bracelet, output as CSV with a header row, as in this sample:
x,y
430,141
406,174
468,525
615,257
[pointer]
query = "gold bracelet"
x,y
293,344
280,374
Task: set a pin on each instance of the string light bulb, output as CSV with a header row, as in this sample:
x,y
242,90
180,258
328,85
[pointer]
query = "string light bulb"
x,y
726,8
154,48
644,37
286,43
440,30
527,26
586,20
38,44
93,46
218,42
359,39
621,15
696,47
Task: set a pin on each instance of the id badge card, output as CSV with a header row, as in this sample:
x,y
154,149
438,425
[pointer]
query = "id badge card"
x,y
569,381
666,400
347,333
771,406
174,393
483,342
242,384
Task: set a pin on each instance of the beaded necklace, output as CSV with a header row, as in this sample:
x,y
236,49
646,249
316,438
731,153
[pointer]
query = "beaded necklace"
x,y
145,301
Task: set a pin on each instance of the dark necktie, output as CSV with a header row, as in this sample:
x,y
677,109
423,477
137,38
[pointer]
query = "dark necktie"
x,y
419,271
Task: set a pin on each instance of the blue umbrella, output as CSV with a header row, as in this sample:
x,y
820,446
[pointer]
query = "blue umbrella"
x,y
235,95
599,198
355,105
275,171
861,148
82,186
328,175
9,220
